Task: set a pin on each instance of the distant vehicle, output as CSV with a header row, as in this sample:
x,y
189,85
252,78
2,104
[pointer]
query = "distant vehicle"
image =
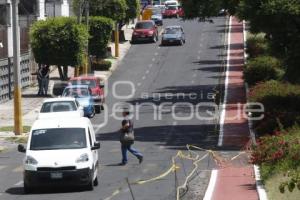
x,y
171,3
83,94
61,152
60,107
145,30
158,19
173,35
171,11
160,7
97,86
180,11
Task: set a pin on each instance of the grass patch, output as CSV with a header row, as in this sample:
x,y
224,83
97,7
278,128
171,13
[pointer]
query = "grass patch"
x,y
26,129
272,185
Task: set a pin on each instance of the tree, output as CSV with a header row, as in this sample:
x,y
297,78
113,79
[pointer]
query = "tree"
x,y
59,41
133,9
100,33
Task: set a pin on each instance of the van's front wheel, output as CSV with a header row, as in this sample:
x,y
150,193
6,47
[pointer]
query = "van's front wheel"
x,y
27,189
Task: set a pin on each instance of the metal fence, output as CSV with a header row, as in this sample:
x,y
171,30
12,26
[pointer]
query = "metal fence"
x,y
6,76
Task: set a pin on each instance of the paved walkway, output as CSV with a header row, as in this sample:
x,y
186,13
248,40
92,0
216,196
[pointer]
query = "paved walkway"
x,y
31,103
235,182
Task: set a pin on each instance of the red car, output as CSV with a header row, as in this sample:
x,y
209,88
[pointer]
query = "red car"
x,y
97,87
170,11
180,11
145,30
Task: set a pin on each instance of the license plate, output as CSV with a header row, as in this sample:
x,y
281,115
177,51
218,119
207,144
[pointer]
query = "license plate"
x,y
56,175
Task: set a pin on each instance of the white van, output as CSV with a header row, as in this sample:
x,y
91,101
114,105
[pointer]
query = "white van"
x,y
61,152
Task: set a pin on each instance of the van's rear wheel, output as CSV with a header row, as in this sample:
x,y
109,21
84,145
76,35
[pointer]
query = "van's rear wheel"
x,y
27,189
96,181
90,186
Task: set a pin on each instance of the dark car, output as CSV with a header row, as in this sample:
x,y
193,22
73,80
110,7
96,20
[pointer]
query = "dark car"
x,y
83,94
145,30
158,19
173,35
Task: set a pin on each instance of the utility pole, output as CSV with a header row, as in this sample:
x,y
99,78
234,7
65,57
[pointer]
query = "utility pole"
x,y
116,40
17,76
87,15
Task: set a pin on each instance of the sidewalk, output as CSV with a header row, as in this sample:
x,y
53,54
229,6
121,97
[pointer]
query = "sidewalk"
x,y
235,182
31,103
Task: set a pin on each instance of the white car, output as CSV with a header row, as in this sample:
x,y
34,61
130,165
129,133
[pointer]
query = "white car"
x,y
60,107
171,3
61,152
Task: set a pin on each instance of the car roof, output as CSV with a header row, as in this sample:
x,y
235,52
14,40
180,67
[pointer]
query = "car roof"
x,y
74,122
84,78
78,86
175,26
59,99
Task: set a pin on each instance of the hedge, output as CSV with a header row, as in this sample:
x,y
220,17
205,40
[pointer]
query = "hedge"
x,y
58,41
102,65
257,45
100,33
262,68
281,103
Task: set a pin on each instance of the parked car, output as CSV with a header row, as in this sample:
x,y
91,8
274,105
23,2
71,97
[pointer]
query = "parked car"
x,y
173,35
83,94
60,107
171,11
61,152
145,30
97,86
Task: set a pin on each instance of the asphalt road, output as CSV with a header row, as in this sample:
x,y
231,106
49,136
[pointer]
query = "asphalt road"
x,y
154,79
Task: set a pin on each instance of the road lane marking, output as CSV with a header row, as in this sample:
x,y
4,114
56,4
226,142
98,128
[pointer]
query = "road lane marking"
x,y
144,77
18,169
198,57
153,59
19,183
139,84
2,167
156,53
211,185
151,65
199,52
175,123
147,72
162,30
194,75
192,82
223,107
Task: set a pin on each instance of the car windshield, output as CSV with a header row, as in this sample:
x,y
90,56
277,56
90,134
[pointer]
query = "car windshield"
x,y
76,92
58,138
91,83
58,106
172,8
156,11
144,25
172,31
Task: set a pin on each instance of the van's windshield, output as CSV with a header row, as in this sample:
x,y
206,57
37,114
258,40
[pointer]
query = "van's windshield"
x,y
58,138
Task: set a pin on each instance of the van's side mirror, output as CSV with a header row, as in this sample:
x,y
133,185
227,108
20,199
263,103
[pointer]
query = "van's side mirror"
x,y
21,148
101,85
96,146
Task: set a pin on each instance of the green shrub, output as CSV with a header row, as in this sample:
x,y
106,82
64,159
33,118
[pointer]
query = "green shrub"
x,y
281,103
262,68
58,41
102,65
100,33
257,45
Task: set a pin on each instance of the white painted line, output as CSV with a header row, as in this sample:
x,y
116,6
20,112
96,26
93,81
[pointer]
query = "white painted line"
x,y
211,185
175,123
162,30
19,183
200,44
2,167
199,52
139,84
156,53
153,59
259,186
223,106
144,77
192,82
198,57
147,72
194,75
18,169
158,47
151,65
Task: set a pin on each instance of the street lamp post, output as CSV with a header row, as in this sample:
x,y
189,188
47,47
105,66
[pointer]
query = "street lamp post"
x,y
18,128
